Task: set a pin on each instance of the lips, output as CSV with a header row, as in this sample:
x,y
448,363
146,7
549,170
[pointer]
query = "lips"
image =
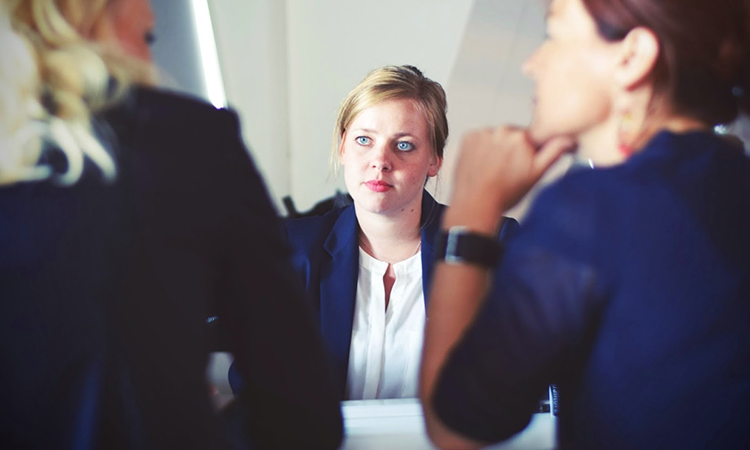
x,y
378,185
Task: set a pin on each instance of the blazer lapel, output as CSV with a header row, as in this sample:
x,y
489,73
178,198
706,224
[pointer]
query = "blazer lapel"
x,y
338,290
432,213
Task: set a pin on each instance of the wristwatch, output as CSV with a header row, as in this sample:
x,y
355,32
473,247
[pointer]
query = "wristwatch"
x,y
458,245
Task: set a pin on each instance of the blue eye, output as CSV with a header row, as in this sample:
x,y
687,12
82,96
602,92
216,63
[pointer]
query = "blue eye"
x,y
362,140
405,146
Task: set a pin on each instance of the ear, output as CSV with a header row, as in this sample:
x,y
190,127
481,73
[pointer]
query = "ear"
x,y
434,166
639,52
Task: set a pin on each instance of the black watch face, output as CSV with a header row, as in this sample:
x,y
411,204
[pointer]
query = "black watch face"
x,y
462,247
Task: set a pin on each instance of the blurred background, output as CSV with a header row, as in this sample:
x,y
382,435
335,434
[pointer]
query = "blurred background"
x,y
285,65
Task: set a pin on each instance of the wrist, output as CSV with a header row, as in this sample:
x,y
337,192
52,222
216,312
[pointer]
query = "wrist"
x,y
473,218
458,245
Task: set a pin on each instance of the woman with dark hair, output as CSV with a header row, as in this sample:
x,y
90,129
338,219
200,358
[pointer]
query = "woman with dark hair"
x,y
629,285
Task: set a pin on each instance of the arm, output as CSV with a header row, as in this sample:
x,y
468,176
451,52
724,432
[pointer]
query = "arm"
x,y
444,328
497,167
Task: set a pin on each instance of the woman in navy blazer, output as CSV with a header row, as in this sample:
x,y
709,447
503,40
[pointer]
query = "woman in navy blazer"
x,y
326,254
389,137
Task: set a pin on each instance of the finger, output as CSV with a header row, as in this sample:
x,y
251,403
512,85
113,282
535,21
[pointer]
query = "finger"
x,y
550,152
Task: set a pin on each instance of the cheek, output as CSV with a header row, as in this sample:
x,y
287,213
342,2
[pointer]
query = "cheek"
x,y
349,157
417,175
351,170
349,179
132,40
572,97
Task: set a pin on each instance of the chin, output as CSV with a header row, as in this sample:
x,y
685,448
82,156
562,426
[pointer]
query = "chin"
x,y
370,205
541,133
538,134
381,211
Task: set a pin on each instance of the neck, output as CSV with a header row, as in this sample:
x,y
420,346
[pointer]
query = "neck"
x,y
673,123
390,238
679,125
601,144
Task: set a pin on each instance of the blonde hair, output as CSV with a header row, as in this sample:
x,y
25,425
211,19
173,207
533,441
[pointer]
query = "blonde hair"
x,y
52,81
395,82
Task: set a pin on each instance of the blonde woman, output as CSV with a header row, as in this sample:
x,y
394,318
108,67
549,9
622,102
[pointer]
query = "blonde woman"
x,y
366,267
126,215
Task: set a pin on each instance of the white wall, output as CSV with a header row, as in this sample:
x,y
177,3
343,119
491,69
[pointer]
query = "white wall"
x,y
487,86
176,50
252,46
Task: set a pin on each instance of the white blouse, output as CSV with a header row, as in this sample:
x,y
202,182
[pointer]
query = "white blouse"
x,y
386,345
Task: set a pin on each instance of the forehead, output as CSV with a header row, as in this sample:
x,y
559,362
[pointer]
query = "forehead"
x,y
392,113
571,14
566,9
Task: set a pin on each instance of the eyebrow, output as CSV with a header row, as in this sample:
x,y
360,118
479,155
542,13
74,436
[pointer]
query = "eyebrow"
x,y
397,135
366,130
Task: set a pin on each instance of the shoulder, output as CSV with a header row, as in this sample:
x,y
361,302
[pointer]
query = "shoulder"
x,y
432,211
575,189
161,104
564,216
162,115
307,232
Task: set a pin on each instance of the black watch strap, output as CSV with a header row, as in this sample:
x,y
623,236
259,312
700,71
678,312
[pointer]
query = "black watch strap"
x,y
461,246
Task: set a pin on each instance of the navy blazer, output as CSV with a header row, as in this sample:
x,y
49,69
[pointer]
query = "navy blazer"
x,y
105,290
629,288
325,253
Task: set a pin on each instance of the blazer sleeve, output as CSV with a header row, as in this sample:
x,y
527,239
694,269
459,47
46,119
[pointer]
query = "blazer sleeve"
x,y
533,324
276,345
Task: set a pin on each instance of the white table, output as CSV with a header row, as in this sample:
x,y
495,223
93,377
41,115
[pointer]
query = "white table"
x,y
398,425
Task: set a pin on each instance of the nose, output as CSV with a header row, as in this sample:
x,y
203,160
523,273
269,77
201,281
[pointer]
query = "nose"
x,y
381,158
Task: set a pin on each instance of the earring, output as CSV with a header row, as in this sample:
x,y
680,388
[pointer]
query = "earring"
x,y
623,140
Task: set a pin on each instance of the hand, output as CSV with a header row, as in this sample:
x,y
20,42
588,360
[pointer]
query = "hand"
x,y
496,168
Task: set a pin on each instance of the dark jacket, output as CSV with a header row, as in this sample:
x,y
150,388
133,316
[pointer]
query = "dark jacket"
x,y
628,287
325,253
106,288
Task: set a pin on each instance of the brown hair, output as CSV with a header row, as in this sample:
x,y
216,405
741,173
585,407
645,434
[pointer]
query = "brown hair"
x,y
703,70
396,82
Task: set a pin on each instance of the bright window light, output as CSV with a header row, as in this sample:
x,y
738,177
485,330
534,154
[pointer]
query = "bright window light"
x,y
209,57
